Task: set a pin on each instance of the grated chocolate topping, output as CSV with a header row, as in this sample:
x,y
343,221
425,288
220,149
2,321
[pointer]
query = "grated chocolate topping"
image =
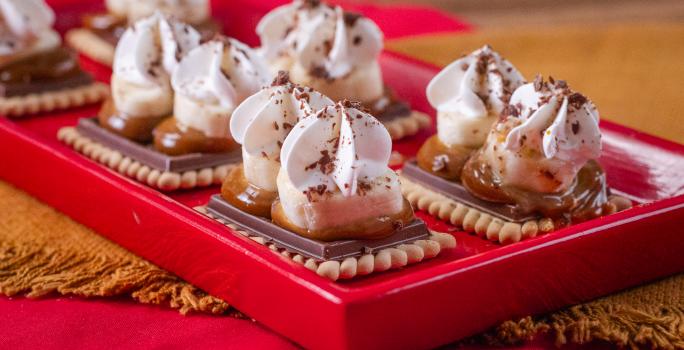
x,y
283,78
576,100
310,4
325,164
350,18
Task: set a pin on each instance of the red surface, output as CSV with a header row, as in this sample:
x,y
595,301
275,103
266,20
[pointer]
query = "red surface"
x,y
65,323
459,293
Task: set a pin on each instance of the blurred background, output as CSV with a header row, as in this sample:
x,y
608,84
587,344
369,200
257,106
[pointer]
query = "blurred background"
x,y
625,55
498,13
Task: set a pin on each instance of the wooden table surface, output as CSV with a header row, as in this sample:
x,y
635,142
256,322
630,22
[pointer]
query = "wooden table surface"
x,y
626,56
517,13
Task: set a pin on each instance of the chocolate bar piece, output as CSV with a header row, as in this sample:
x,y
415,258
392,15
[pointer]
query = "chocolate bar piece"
x,y
146,154
456,191
389,107
319,250
396,109
36,87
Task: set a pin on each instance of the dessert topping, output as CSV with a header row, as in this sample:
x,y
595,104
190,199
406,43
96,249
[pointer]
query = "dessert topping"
x,y
152,48
223,71
326,40
476,86
556,121
342,147
263,120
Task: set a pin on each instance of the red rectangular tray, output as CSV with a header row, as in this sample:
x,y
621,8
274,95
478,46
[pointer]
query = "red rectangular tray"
x,y
455,295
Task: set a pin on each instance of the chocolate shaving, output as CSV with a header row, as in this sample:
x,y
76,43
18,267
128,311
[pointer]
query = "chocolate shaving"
x,y
577,100
362,188
351,104
510,111
575,127
310,4
357,40
325,163
311,191
538,83
283,78
304,96
350,18
327,45
482,63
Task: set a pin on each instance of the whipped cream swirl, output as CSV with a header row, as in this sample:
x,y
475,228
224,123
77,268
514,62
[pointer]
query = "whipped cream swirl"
x,y
190,11
151,49
262,122
26,25
339,147
470,93
213,80
145,57
322,39
548,134
556,121
336,162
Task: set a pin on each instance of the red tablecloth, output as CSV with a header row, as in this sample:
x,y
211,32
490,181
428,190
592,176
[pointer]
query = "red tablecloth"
x,y
72,323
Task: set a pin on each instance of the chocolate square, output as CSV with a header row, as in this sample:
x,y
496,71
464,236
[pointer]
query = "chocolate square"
x,y
456,191
146,154
37,87
319,250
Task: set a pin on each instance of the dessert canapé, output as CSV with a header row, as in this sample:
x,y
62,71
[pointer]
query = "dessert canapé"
x,y
320,191
32,58
261,124
541,156
146,56
509,159
102,31
334,182
469,95
164,139
209,84
336,53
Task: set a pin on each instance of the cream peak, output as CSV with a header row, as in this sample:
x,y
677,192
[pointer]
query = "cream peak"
x,y
340,146
556,121
475,86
